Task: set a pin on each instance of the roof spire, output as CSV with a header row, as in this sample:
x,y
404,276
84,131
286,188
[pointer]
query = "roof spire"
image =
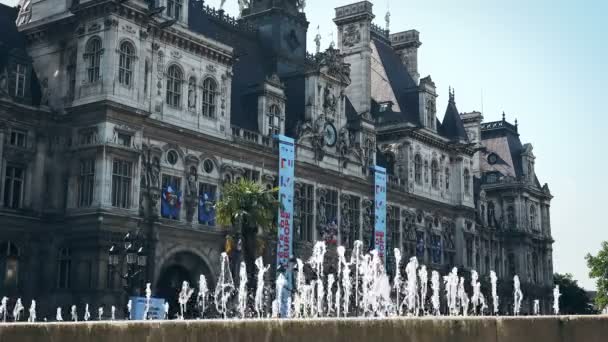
x,y
451,99
387,17
503,115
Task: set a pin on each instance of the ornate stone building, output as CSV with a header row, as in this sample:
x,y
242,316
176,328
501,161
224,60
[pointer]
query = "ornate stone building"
x,y
110,108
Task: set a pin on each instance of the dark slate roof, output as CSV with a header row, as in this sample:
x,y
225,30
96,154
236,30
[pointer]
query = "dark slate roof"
x,y
351,112
505,143
251,65
404,86
452,126
10,38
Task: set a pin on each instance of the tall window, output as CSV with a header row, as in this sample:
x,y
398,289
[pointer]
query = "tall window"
x,y
13,187
125,65
93,54
9,258
174,86
511,217
469,246
447,178
206,210
71,71
64,264
86,182
20,72
274,120
491,214
18,138
467,182
122,174
418,169
209,97
435,174
305,207
533,216
426,171
174,9
394,236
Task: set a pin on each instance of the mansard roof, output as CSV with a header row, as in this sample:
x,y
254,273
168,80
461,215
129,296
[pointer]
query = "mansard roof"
x,y
452,126
403,86
501,138
251,63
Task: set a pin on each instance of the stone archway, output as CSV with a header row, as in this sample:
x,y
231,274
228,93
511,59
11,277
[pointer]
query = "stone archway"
x,y
177,268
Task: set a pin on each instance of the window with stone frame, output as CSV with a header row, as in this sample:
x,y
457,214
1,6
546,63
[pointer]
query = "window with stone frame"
x,y
420,246
491,214
350,221
174,86
9,263
174,9
209,97
304,212
469,251
20,79
435,174
125,63
533,217
418,169
93,52
64,268
467,182
393,220
447,178
511,217
86,182
122,178
436,248
274,120
14,181
331,206
426,171
18,138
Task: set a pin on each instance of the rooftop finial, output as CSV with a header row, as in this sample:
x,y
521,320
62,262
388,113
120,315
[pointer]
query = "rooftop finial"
x,y
503,115
387,17
332,43
451,90
318,39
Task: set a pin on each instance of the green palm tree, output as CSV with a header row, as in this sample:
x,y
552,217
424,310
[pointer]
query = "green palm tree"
x,y
249,206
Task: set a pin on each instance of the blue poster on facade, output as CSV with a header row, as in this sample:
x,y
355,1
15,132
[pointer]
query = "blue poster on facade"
x,y
380,211
138,308
285,215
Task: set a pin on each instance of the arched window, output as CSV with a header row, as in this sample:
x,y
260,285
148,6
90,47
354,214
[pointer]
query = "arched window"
x,y
209,92
467,182
447,178
64,263
174,9
435,174
533,224
9,258
418,169
125,63
491,214
174,86
93,54
274,120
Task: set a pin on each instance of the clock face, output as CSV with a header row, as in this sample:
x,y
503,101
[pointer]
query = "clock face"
x,y
330,134
492,158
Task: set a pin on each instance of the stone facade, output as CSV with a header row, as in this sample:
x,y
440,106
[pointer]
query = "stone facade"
x,y
121,101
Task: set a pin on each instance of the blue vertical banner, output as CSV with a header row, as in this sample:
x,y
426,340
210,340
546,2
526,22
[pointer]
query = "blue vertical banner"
x,y
380,211
285,216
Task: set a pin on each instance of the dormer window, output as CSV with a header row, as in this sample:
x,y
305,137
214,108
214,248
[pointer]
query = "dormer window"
x,y
174,9
274,120
20,72
123,139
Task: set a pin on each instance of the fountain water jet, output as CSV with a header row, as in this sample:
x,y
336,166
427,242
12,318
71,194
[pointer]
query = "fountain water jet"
x,y
556,295
4,308
113,313
242,296
32,311
536,309
518,296
259,292
129,306
87,314
424,281
463,297
17,309
58,316
435,286
201,298
225,286
148,297
100,313
494,282
74,314
183,298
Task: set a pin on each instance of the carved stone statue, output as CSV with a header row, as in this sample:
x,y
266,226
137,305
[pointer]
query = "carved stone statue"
x,y
351,36
387,18
243,4
301,4
318,41
329,101
191,191
222,4
191,96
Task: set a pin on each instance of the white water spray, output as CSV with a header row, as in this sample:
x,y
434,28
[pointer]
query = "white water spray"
x,y
556,295
183,298
225,286
201,298
87,314
32,311
74,314
518,296
494,282
148,296
242,296
4,308
58,316
259,292
435,286
424,281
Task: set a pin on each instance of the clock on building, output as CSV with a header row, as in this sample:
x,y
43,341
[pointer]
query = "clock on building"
x,y
330,134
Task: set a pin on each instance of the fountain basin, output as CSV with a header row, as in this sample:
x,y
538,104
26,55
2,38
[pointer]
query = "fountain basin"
x,y
473,329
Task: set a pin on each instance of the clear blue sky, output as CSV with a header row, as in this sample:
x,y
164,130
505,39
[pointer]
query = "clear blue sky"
x,y
543,62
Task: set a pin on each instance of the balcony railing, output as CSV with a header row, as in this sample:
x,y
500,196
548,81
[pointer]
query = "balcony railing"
x,y
247,136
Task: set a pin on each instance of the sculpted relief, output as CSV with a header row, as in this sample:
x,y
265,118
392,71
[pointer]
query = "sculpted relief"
x,y
351,35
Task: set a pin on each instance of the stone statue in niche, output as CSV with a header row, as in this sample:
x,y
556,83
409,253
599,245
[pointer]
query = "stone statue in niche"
x,y
318,40
313,132
191,96
191,191
351,36
329,101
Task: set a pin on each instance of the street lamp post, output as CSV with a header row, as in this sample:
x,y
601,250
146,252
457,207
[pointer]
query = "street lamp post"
x,y
129,258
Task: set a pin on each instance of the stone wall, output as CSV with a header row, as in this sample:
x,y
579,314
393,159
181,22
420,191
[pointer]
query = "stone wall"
x,y
487,329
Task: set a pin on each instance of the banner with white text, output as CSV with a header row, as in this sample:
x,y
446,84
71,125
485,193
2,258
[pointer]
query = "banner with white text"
x,y
380,211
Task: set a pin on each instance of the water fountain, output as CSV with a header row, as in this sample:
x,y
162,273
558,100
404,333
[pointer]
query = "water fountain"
x,y
451,290
129,308
463,298
411,286
183,298
148,298
113,313
556,295
225,286
536,309
17,309
4,308
201,297
87,314
166,310
58,316
355,260
518,296
476,298
397,281
330,287
259,292
100,313
32,311
424,281
435,286
494,282
242,294
74,314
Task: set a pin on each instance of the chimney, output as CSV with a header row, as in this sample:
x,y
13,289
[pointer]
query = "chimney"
x,y
406,45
